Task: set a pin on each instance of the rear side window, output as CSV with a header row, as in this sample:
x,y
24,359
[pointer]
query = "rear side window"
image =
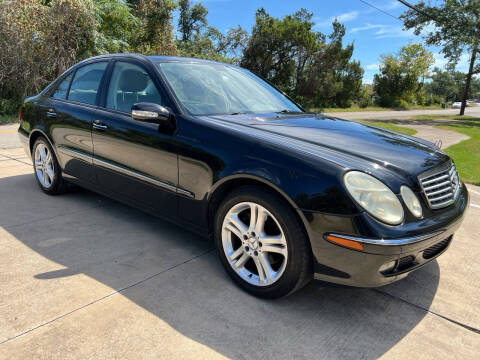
x,y
62,89
86,82
130,84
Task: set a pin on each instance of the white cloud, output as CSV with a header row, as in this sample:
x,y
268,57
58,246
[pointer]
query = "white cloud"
x,y
367,27
392,5
372,66
343,18
349,16
382,31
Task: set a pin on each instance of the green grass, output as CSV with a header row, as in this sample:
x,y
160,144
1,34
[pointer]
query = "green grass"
x,y
372,108
389,126
425,107
447,117
350,109
466,153
8,119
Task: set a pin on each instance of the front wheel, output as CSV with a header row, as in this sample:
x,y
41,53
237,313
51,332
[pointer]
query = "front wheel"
x,y
261,243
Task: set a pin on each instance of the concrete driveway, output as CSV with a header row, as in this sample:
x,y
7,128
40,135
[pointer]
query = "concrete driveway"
x,y
84,277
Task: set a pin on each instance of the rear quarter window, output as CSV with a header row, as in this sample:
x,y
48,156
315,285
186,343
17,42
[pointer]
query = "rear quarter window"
x,y
62,89
86,83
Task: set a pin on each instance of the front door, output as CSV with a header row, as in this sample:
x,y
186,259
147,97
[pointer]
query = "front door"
x,y
136,160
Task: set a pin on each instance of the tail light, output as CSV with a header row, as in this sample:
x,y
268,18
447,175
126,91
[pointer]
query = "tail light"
x,y
20,116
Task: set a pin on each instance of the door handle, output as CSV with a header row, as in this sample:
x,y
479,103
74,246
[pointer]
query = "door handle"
x,y
97,124
51,113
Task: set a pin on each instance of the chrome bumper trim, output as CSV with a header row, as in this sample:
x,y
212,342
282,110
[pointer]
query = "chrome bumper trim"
x,y
390,242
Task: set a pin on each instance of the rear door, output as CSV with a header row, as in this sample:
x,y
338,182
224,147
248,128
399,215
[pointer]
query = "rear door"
x,y
70,112
136,160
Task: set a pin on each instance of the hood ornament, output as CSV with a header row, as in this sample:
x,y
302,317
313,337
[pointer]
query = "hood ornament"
x,y
438,144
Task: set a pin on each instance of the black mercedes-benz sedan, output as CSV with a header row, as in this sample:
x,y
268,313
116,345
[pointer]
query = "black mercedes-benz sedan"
x,y
286,195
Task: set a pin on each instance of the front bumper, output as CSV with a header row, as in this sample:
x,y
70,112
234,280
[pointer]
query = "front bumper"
x,y
417,247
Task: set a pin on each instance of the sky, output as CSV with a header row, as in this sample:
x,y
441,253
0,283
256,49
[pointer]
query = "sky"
x,y
372,31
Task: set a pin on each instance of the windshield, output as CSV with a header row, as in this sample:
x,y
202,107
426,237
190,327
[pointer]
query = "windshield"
x,y
209,88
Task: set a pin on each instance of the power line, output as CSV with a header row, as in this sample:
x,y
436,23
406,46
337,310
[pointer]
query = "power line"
x,y
381,10
413,7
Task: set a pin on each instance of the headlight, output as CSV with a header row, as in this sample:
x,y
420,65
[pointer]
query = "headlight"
x,y
374,196
411,200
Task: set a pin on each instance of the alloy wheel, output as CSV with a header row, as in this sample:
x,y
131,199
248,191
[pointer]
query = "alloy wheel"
x,y
44,166
254,243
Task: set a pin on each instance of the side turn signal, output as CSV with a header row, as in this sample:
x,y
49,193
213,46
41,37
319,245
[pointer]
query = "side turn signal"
x,y
345,242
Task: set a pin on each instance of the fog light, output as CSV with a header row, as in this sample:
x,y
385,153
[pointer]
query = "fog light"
x,y
388,266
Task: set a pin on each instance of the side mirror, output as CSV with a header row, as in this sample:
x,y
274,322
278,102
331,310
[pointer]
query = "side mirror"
x,y
150,112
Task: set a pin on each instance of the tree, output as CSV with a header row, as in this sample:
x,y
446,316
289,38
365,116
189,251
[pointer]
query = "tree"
x,y
443,84
116,24
200,40
71,36
36,49
454,25
192,19
367,96
279,49
306,64
449,85
331,78
155,33
230,45
398,82
351,79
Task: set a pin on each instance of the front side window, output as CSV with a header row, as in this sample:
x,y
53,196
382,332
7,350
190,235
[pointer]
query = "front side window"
x,y
211,88
86,82
130,84
62,89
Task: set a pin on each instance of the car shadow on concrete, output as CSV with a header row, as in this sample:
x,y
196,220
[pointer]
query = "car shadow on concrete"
x,y
187,287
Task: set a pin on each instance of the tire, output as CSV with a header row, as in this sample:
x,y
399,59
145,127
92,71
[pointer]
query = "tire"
x,y
46,168
250,250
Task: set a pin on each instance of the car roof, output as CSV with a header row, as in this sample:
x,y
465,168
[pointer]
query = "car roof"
x,y
154,58
141,57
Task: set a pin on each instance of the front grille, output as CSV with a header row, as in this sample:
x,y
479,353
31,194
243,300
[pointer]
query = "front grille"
x,y
440,186
405,262
436,249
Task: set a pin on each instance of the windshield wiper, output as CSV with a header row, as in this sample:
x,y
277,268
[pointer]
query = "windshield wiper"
x,y
284,111
238,113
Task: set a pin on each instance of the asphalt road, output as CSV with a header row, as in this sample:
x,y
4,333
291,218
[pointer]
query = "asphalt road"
x,y
84,277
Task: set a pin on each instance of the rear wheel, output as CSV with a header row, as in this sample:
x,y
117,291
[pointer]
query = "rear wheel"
x,y
261,243
46,167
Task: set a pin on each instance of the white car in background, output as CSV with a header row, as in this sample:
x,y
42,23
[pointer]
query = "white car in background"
x,y
457,105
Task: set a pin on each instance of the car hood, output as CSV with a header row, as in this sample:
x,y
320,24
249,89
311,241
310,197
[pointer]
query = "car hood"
x,y
346,139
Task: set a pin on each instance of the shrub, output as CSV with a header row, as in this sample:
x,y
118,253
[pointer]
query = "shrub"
x,y
9,106
402,105
38,42
367,97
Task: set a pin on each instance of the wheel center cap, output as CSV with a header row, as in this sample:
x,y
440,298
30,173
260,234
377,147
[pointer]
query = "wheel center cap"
x,y
253,243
